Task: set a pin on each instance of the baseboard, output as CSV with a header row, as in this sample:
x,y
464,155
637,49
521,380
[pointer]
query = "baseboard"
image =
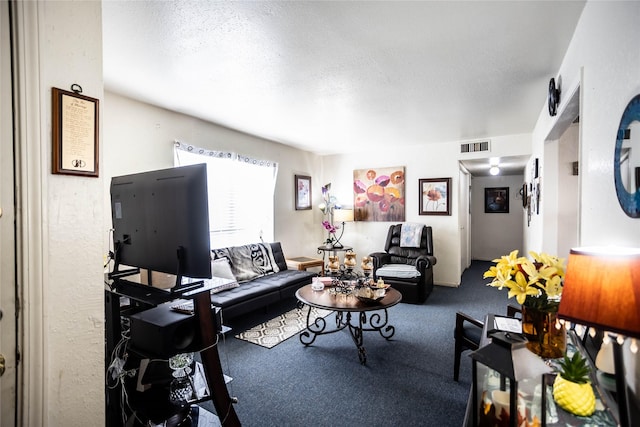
x,y
448,285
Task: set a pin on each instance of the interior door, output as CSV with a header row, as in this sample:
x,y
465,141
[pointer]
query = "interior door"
x,y
7,232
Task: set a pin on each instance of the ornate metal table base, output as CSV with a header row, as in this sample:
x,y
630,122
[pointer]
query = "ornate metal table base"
x,y
377,320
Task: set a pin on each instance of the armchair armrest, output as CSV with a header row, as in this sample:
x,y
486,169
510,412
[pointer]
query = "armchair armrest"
x,y
424,262
463,317
379,259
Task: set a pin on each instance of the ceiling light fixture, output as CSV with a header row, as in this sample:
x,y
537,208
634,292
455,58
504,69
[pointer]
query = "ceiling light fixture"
x,y
494,170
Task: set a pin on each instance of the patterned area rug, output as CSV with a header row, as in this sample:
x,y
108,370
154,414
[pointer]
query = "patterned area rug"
x,y
273,332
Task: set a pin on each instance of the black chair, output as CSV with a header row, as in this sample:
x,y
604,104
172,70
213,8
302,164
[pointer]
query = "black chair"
x,y
513,311
467,336
468,332
407,269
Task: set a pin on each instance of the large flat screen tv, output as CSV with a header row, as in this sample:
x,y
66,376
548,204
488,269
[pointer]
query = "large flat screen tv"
x,y
161,221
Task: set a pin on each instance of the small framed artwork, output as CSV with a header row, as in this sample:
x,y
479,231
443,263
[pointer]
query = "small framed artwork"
x,y
302,190
434,196
75,133
496,200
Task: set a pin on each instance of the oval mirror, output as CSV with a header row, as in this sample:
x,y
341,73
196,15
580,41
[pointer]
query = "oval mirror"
x,y
627,159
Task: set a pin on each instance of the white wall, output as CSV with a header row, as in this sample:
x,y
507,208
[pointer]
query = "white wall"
x,y
139,137
59,220
434,160
496,234
603,58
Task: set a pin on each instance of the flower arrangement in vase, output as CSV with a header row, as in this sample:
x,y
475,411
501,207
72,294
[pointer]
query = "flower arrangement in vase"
x,y
537,286
327,207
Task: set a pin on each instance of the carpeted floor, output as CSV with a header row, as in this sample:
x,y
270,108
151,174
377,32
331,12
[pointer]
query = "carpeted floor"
x,y
407,380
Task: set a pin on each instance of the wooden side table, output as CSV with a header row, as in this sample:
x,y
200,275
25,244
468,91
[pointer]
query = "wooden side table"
x,y
303,262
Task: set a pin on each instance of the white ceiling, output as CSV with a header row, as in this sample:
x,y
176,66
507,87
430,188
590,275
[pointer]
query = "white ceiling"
x,y
335,77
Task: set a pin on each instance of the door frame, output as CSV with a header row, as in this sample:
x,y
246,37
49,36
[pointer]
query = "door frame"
x,y
8,332
464,216
31,239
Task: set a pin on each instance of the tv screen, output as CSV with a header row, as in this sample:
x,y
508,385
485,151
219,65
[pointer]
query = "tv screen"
x,y
161,221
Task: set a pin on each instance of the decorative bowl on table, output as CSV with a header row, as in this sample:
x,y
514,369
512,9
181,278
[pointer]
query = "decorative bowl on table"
x,y
379,284
369,295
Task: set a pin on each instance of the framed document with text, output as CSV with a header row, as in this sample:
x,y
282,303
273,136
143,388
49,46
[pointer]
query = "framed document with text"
x,y
75,133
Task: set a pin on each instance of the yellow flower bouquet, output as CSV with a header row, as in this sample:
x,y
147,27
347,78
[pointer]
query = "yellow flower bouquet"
x,y
535,282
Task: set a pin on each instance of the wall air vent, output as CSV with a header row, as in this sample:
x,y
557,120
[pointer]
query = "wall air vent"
x,y
472,147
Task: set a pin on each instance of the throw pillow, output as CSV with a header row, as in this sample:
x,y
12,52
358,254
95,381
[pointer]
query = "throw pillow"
x,y
220,268
248,261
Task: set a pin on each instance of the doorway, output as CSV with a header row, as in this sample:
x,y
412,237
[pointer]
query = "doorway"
x,y
491,235
560,174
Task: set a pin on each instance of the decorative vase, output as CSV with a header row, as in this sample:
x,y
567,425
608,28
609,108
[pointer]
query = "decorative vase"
x,y
546,336
366,266
334,263
350,260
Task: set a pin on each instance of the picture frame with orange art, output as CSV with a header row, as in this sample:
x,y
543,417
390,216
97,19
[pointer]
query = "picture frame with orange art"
x,y
434,196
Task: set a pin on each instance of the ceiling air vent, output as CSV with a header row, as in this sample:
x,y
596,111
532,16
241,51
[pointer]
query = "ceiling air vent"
x,y
472,147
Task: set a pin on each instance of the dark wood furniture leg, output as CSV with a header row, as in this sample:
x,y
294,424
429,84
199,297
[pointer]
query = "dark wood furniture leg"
x,y
113,415
211,362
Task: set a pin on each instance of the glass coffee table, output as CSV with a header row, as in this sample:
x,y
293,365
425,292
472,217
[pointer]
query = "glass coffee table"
x,y
351,313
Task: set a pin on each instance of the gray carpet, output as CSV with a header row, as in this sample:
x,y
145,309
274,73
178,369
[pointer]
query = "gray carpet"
x,y
407,381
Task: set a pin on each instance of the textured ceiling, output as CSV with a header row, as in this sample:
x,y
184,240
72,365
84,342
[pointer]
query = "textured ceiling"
x,y
334,77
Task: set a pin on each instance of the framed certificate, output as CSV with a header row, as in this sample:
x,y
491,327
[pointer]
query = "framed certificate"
x,y
75,133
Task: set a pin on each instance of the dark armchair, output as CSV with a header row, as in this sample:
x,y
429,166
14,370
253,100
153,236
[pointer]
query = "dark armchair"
x,y
468,332
407,269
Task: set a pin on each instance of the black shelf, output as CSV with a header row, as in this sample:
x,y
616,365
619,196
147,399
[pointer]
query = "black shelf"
x,y
154,402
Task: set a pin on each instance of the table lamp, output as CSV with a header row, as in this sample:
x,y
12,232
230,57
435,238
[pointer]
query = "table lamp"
x,y
602,290
341,215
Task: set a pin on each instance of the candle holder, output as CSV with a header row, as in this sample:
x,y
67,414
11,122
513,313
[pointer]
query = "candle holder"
x,y
367,266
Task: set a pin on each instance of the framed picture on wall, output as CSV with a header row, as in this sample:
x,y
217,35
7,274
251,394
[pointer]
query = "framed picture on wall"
x,y
74,133
434,196
496,200
302,189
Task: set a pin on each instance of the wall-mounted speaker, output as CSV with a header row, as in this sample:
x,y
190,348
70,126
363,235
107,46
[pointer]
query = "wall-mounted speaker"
x,y
163,332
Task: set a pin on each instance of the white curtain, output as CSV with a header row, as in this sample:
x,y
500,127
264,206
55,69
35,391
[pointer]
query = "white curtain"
x,y
241,191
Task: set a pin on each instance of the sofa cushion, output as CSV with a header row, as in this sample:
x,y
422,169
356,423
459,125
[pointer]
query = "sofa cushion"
x,y
398,271
286,279
248,261
246,291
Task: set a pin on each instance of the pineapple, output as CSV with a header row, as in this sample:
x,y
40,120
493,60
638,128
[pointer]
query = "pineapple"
x,y
572,388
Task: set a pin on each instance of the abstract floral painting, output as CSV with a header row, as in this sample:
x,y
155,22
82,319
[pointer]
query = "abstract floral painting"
x,y
434,196
378,194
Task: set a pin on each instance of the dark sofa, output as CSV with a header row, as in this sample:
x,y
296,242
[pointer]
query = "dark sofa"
x,y
274,282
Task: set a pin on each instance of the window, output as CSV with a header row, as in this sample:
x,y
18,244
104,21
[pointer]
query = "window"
x,y
241,191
